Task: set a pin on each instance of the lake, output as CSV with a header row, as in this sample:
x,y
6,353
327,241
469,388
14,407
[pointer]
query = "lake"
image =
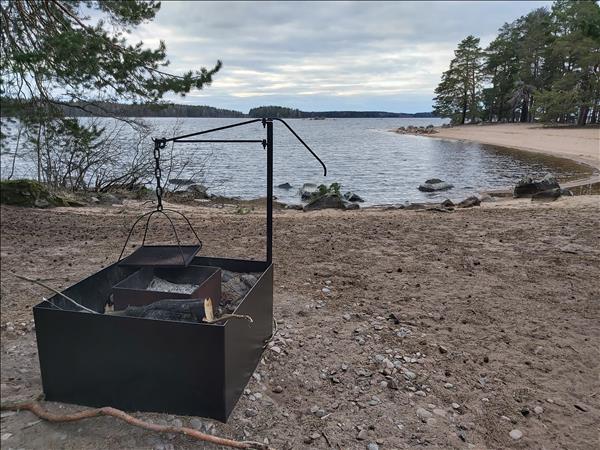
x,y
362,154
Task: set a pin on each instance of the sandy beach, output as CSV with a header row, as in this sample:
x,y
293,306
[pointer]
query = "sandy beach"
x,y
486,319
579,144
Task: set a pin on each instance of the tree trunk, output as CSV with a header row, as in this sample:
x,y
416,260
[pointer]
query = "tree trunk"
x,y
583,113
524,110
464,112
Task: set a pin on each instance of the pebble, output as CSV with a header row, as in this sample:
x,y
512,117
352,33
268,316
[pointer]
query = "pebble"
x,y
346,317
516,434
431,421
423,414
276,349
448,385
326,291
538,410
177,423
410,375
455,405
278,389
320,413
372,446
251,412
362,435
421,393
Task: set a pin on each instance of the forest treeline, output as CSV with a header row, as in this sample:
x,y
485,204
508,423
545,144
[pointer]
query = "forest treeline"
x,y
544,66
102,109
282,112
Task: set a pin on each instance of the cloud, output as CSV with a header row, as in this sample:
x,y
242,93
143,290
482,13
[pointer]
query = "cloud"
x,y
322,55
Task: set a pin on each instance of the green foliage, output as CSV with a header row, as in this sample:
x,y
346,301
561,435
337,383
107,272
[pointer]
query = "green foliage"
x,y
544,65
323,189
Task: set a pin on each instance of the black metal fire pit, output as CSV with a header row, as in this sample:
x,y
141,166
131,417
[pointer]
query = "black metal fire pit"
x,y
140,364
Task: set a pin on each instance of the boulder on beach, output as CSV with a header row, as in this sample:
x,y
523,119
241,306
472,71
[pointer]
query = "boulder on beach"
x,y
527,186
307,190
353,197
29,193
448,203
284,186
198,190
550,195
324,202
435,184
469,202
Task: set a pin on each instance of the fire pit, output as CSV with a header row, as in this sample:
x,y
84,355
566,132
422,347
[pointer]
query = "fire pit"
x,y
91,357
150,284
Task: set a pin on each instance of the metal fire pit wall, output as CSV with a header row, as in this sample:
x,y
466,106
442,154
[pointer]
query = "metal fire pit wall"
x,y
140,364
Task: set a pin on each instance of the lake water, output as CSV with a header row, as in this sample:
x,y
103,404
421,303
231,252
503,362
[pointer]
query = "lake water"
x,y
362,154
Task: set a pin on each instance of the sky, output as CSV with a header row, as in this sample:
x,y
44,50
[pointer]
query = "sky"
x,y
321,56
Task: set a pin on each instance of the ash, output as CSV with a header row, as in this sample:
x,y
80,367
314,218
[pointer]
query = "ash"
x,y
160,285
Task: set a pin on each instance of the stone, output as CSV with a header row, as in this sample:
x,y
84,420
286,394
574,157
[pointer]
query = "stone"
x,y
538,410
439,412
28,193
409,375
327,201
198,190
516,434
278,389
442,349
448,203
362,435
551,194
109,199
372,446
455,406
251,412
177,423
469,202
527,186
307,190
284,186
435,184
353,197
423,414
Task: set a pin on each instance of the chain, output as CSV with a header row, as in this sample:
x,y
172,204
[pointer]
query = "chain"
x,y
158,144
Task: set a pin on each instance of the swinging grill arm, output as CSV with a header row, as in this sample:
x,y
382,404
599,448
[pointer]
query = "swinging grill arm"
x,y
185,138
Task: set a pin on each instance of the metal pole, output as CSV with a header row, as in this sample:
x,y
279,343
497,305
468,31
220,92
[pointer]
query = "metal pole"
x,y
269,191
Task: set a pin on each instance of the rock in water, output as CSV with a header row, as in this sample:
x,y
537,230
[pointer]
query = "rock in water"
x,y
469,202
550,195
353,197
448,203
284,186
435,184
528,186
307,190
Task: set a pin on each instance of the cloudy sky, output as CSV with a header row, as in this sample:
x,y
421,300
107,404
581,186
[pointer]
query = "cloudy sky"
x,y
318,56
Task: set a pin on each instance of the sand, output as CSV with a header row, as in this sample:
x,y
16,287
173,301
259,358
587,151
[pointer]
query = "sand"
x,y
580,144
497,325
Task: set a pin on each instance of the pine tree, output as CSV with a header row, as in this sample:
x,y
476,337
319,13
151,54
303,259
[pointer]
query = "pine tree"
x,y
458,95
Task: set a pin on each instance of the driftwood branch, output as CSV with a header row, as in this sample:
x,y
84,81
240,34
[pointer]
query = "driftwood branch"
x,y
40,412
31,280
225,317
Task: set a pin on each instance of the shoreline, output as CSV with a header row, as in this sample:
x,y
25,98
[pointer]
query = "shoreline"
x,y
543,141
